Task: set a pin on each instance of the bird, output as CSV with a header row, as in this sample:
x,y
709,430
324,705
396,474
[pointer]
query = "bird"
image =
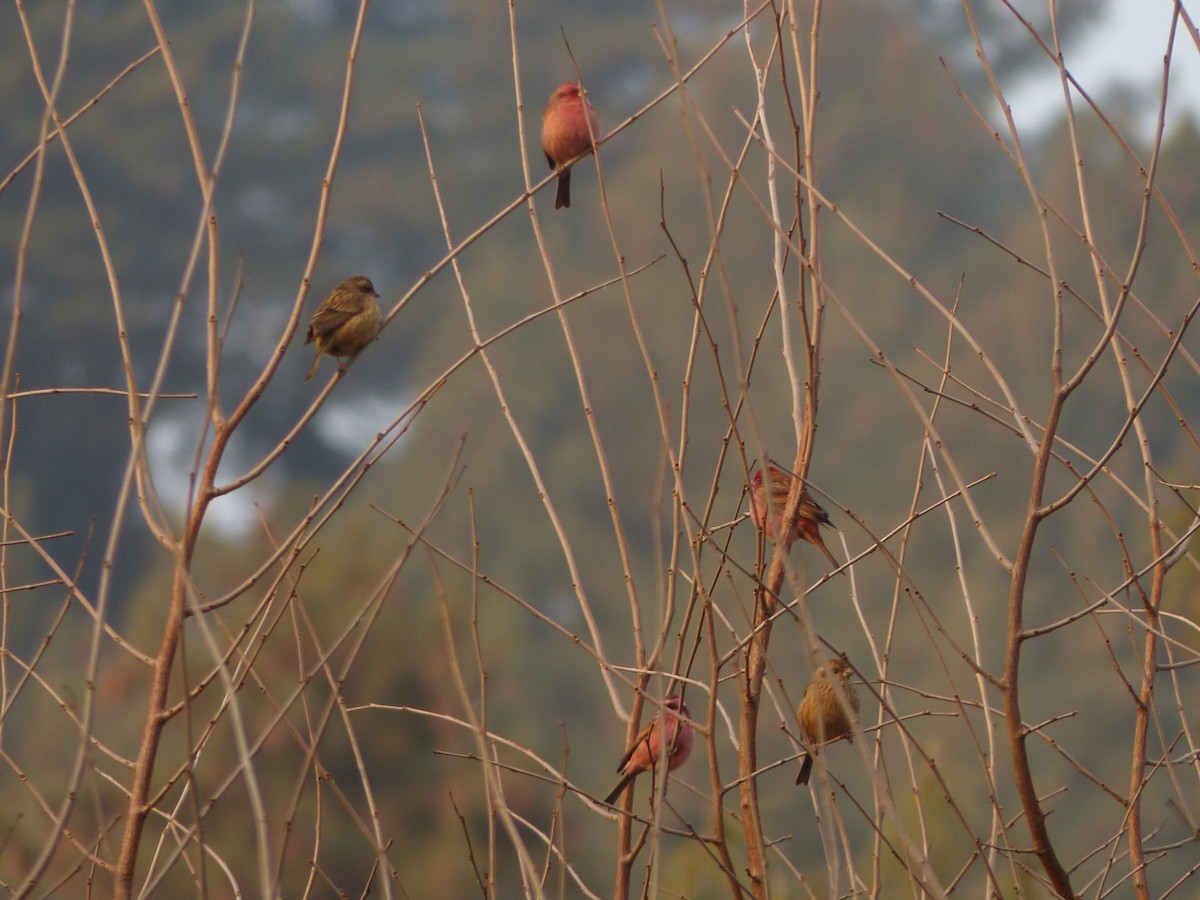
x,y
642,755
569,125
809,519
823,717
345,322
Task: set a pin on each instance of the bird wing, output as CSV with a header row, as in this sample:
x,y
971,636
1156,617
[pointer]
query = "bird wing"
x,y
816,511
643,737
333,314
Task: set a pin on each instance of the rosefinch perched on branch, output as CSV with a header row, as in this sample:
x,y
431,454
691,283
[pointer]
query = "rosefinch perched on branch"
x,y
823,718
565,134
809,519
642,755
345,322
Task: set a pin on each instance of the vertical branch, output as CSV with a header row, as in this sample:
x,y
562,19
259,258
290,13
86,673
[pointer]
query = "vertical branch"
x,y
1112,313
157,714
7,377
534,469
49,94
769,590
1141,722
1015,638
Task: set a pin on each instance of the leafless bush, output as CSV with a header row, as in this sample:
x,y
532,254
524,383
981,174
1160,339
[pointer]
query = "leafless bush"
x,y
1022,625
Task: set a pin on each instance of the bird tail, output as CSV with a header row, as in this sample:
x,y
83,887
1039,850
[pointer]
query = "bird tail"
x,y
616,792
312,370
820,543
563,197
805,770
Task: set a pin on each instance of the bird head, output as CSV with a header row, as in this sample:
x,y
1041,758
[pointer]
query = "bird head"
x,y
838,666
362,283
566,89
772,472
676,705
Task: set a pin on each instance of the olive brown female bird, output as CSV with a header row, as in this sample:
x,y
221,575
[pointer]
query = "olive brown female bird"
x,y
823,717
569,126
345,322
642,755
809,519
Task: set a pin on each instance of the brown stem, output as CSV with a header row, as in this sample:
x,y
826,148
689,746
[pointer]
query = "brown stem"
x,y
756,665
1034,814
151,739
756,655
1141,726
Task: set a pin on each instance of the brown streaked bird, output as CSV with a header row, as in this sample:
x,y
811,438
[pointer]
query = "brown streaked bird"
x,y
345,322
809,519
823,718
642,755
565,134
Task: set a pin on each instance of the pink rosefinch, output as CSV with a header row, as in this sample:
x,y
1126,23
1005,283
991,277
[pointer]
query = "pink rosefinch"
x,y
808,521
565,134
642,755
822,716
345,322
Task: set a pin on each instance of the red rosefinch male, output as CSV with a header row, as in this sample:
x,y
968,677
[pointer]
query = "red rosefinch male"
x,y
565,134
809,519
823,718
345,322
642,755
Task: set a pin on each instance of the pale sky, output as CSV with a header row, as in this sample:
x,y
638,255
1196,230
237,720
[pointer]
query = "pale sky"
x,y
1127,45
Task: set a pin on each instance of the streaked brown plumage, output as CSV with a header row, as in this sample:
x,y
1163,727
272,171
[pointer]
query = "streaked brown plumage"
x,y
642,755
345,322
823,718
565,134
809,519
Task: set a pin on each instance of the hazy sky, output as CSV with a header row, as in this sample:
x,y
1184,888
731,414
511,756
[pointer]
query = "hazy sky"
x,y
1127,45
